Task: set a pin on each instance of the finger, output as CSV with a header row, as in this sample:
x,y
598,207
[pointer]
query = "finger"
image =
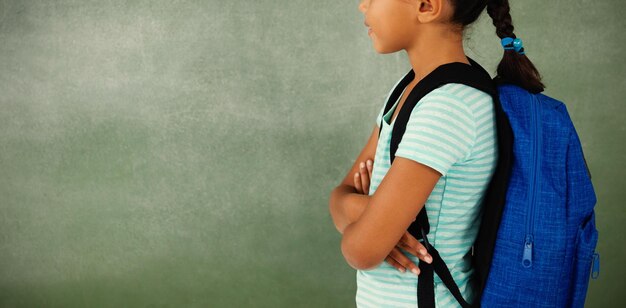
x,y
415,247
370,167
357,183
395,264
417,250
365,179
404,261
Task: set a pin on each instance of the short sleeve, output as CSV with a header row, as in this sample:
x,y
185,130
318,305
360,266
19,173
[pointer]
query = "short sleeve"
x,y
440,132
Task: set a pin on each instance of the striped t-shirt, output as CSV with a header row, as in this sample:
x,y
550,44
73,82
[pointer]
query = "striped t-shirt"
x,y
451,129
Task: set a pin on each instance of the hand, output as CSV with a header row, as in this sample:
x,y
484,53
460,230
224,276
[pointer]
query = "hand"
x,y
363,177
409,243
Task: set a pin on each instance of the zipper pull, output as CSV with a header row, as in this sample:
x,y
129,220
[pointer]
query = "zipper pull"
x,y
527,261
595,270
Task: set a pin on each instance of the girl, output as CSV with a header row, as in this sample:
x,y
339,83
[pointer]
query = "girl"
x,y
444,162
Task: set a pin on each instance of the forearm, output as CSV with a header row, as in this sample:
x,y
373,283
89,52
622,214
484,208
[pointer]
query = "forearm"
x,y
346,206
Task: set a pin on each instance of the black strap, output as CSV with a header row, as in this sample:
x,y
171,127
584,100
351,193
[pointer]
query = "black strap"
x,y
475,76
425,282
456,72
408,77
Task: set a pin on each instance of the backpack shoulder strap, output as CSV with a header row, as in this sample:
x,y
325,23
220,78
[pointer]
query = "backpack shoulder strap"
x,y
475,76
393,97
472,75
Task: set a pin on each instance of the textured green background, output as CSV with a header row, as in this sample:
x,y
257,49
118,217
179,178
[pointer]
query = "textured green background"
x,y
181,153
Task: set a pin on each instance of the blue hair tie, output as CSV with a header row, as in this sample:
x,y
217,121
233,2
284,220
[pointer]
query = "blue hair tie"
x,y
515,44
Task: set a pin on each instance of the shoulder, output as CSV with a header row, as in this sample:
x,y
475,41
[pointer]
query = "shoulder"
x,y
447,102
460,101
467,95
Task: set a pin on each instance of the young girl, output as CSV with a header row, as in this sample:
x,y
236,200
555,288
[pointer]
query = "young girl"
x,y
444,161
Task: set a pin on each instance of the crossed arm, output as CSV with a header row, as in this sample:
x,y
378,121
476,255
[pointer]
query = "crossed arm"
x,y
371,226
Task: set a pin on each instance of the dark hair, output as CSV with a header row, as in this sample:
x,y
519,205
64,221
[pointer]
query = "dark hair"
x,y
513,67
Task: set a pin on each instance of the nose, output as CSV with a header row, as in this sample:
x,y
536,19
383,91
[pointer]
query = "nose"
x,y
363,5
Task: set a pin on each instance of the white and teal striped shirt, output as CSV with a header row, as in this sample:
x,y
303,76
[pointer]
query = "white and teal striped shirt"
x,y
451,129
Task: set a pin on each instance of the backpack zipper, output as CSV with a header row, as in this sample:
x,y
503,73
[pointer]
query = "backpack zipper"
x,y
595,269
527,260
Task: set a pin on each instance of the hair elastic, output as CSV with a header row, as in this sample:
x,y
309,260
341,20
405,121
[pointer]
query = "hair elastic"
x,y
510,43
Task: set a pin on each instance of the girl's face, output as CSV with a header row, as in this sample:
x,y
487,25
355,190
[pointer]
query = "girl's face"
x,y
391,23
395,24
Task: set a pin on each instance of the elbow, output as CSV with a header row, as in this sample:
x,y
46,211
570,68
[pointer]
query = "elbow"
x,y
357,256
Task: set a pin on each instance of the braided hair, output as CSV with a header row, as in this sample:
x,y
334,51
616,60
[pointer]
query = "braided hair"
x,y
513,68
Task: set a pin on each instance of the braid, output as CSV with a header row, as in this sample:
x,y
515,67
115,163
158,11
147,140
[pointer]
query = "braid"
x,y
499,12
514,68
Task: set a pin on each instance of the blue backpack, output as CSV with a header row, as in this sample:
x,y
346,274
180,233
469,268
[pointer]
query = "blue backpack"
x,y
536,242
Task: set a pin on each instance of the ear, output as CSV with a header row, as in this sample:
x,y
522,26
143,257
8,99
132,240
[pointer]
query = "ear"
x,y
430,10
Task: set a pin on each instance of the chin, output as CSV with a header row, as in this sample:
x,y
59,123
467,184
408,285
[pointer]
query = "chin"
x,y
382,49
385,50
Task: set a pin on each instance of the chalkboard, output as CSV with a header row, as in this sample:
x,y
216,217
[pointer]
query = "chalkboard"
x,y
182,153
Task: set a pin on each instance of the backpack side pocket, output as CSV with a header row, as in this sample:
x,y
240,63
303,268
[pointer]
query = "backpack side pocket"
x,y
586,241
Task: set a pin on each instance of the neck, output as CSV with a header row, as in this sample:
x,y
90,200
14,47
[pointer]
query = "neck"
x,y
427,53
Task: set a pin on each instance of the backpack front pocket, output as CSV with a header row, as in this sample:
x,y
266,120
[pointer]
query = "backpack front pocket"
x,y
586,241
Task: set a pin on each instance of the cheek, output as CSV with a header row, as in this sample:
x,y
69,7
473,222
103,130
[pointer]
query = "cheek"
x,y
390,32
389,25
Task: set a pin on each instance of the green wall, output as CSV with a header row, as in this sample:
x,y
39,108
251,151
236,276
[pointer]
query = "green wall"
x,y
181,153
